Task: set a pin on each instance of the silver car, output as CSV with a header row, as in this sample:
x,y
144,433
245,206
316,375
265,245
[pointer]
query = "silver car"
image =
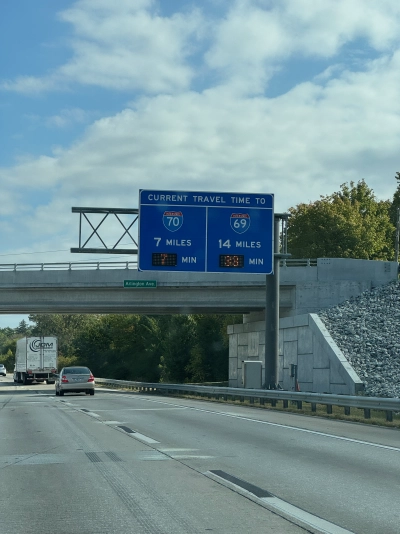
x,y
75,380
3,370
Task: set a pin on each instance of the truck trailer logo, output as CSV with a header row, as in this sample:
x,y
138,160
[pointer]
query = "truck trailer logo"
x,y
37,344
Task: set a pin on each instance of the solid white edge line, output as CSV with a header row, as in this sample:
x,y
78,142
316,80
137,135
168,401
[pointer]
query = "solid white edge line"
x,y
190,457
177,450
111,423
284,509
279,425
141,437
305,517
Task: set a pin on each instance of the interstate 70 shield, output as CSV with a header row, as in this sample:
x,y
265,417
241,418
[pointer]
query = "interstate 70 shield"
x,y
173,220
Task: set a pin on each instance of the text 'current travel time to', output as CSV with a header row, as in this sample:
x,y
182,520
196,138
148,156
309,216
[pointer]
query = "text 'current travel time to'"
x,y
206,232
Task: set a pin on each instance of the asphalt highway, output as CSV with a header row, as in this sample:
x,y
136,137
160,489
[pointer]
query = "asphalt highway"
x,y
126,462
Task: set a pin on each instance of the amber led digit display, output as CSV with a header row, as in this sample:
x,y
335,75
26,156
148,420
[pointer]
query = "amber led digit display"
x,y
231,260
164,259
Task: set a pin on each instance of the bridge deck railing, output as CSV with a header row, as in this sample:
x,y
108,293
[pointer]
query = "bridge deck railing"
x,y
68,266
132,264
388,405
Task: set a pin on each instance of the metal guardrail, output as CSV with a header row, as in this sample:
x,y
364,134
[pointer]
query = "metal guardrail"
x,y
388,405
299,263
95,265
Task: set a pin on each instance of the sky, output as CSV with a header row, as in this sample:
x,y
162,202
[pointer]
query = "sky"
x,y
99,99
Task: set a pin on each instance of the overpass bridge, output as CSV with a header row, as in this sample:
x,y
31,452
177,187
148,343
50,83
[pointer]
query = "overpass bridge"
x,y
306,286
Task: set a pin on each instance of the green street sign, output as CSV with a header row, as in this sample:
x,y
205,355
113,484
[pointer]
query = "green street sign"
x,y
140,283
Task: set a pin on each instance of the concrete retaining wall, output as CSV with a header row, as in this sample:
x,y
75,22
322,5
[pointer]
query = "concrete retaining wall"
x,y
303,341
332,281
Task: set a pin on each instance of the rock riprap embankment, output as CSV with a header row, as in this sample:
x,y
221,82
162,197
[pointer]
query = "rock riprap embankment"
x,y
367,331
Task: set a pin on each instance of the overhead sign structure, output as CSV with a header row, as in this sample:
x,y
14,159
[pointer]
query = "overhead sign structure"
x,y
206,232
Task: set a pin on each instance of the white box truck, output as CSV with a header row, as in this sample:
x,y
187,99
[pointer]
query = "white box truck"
x,y
36,359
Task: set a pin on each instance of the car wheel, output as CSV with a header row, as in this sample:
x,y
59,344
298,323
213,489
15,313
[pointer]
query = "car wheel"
x,y
92,392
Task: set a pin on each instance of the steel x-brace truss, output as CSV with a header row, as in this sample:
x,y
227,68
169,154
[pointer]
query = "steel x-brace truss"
x,y
83,215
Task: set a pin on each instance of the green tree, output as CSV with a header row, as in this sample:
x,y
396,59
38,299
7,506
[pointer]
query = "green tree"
x,y
8,342
23,328
66,327
8,345
170,348
395,202
121,346
8,360
178,337
209,357
6,332
350,223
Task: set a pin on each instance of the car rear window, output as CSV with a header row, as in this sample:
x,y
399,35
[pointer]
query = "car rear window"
x,y
77,371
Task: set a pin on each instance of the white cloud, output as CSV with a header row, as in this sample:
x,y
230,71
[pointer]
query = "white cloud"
x,y
325,26
69,116
129,46
9,205
122,46
31,173
257,35
338,126
30,84
300,145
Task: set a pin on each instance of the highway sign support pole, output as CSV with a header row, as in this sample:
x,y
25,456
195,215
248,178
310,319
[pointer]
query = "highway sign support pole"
x,y
272,306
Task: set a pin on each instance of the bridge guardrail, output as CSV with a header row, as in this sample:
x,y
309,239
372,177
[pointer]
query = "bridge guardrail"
x,y
95,265
68,266
388,405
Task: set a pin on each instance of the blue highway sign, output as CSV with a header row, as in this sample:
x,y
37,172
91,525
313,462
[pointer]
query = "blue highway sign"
x,y
206,232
